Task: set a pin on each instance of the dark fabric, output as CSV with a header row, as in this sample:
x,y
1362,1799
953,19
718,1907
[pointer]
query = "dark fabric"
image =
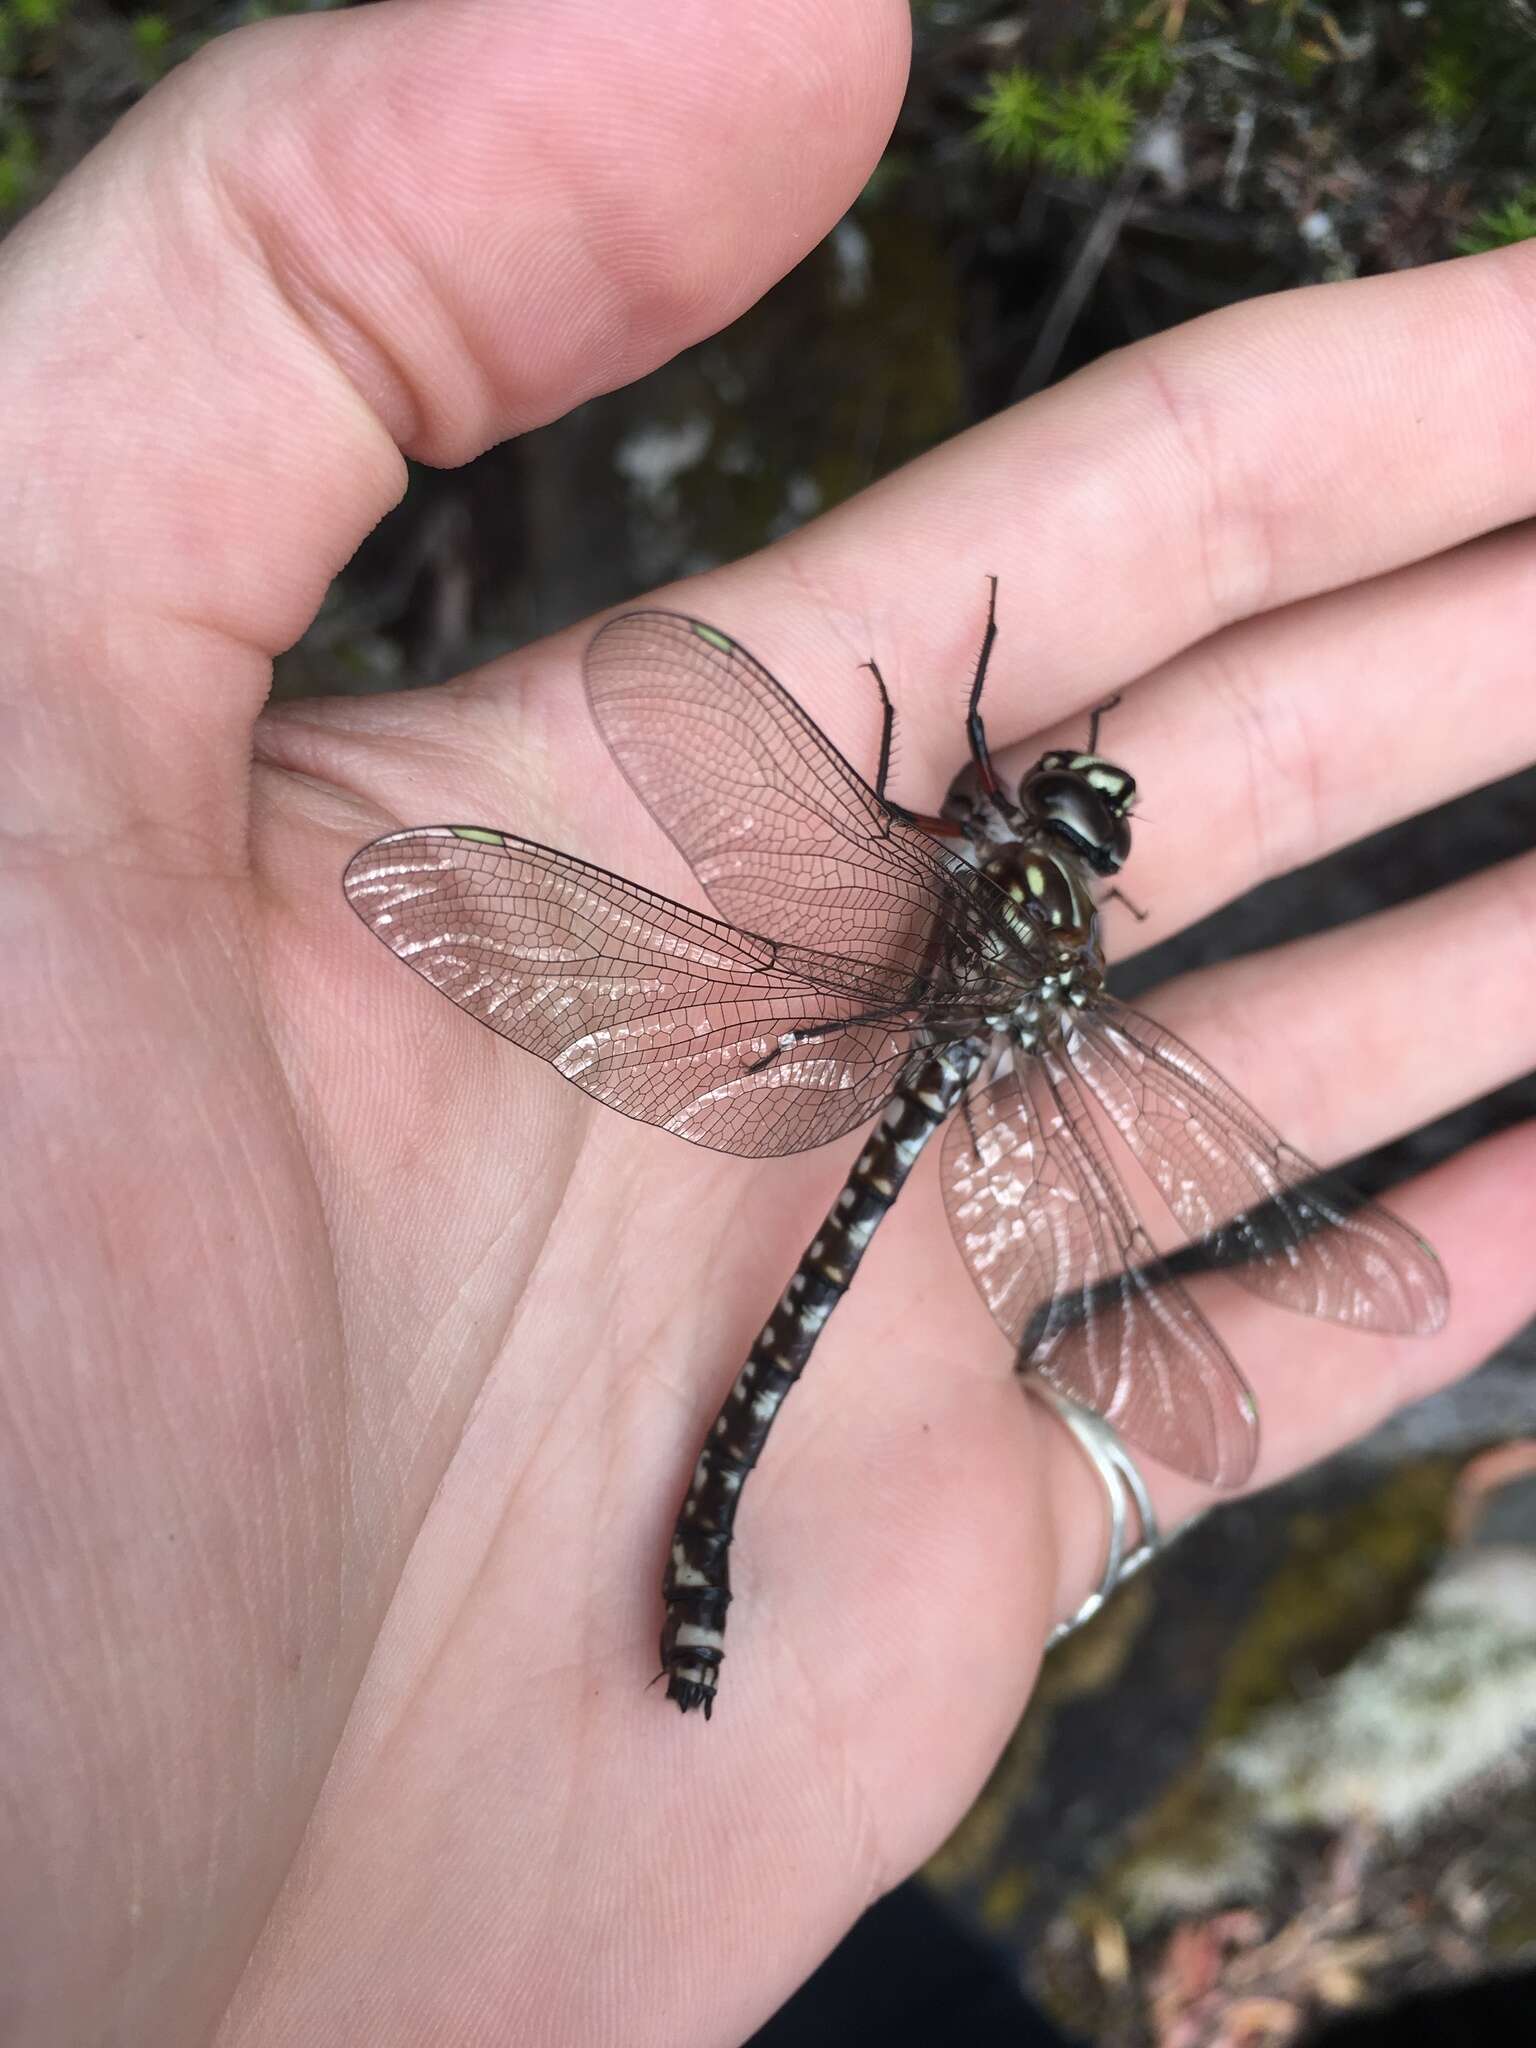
x,y
909,1976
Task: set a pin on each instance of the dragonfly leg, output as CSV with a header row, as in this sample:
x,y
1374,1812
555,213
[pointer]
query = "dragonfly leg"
x,y
940,828
887,728
976,732
1099,711
931,822
1118,895
697,1585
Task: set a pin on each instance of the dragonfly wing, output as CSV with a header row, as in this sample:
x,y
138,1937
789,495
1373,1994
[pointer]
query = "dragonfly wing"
x,y
1286,1229
1076,1284
783,834
668,1016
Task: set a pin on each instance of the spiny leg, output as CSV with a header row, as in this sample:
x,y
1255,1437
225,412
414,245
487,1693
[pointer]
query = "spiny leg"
x,y
697,1588
975,730
887,729
941,828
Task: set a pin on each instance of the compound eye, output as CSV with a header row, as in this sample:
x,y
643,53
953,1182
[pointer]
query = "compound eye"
x,y
1116,787
1070,802
1112,856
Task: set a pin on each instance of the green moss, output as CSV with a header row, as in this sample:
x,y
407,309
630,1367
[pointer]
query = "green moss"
x,y
1350,1575
38,15
1356,89
1513,221
1083,128
1447,85
1093,125
152,39
18,163
1015,111
1140,65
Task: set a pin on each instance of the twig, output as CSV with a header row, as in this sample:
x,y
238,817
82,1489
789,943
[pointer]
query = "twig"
x,y
1237,158
1093,253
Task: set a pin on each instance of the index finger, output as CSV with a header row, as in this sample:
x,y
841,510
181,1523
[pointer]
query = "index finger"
x,y
1258,455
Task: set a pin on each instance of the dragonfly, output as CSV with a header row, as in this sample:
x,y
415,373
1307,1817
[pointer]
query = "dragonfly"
x,y
870,961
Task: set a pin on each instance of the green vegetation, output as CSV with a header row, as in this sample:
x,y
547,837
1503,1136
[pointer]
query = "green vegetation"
x,y
152,39
18,163
1408,128
1083,128
69,68
1514,221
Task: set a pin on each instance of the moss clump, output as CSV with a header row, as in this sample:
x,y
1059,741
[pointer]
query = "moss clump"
x,y
1082,127
1379,115
1350,1574
1514,221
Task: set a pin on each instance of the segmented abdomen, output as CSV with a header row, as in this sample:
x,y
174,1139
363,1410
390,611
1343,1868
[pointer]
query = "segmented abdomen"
x,y
697,1586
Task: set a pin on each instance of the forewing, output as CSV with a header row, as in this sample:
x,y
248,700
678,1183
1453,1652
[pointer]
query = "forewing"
x,y
785,837
1076,1284
651,1008
1286,1229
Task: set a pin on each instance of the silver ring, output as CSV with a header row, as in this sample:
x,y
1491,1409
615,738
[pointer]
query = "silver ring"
x,y
1124,1489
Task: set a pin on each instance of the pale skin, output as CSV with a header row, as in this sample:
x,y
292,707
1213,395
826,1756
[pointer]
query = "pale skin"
x,y
355,1363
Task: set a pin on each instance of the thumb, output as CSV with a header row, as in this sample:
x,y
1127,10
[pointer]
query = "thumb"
x,y
424,226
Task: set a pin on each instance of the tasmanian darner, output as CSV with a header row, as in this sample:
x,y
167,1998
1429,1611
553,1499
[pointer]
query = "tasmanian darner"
x,y
867,966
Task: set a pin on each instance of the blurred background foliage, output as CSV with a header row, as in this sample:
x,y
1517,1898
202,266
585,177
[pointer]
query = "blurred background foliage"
x,y
1065,179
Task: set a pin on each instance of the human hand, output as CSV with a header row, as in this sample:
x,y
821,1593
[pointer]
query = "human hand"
x,y
355,1362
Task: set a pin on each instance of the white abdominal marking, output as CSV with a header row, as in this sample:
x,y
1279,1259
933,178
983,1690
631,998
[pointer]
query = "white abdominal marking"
x,y
695,1635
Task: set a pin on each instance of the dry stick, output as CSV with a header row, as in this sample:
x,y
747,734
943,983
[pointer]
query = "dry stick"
x,y
1093,254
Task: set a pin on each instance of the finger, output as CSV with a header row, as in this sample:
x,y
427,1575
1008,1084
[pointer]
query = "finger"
x,y
404,226
1387,1022
1259,455
1319,724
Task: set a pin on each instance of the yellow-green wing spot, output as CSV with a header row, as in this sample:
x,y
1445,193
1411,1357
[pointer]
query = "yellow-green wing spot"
x,y
481,834
715,639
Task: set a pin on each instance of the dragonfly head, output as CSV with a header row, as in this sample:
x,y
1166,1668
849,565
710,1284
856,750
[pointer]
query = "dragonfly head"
x,y
1085,802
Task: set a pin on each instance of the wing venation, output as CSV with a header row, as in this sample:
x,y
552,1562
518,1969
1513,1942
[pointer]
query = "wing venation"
x,y
1286,1229
783,834
662,1013
1076,1284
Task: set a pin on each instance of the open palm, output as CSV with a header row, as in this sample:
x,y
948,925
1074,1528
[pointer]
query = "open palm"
x,y
355,1362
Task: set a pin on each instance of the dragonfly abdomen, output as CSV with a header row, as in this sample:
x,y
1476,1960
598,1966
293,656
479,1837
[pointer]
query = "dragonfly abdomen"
x,y
697,1586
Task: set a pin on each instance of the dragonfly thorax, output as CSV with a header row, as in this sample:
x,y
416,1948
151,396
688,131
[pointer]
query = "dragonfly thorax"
x,y
1050,887
1070,824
